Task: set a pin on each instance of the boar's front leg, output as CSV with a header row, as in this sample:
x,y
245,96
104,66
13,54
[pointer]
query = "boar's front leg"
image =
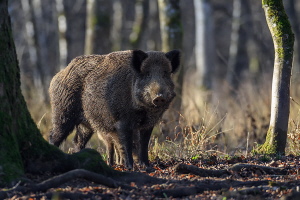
x,y
83,134
143,146
124,141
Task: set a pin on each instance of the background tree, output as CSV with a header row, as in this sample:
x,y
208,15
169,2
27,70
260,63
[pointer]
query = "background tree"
x,y
204,47
238,61
25,52
291,8
45,26
171,32
75,14
283,39
128,19
97,40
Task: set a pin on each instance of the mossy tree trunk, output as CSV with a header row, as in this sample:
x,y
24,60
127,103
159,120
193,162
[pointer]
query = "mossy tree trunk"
x,y
22,147
283,39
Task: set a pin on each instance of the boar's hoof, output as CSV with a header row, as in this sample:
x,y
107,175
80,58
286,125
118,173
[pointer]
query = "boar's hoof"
x,y
159,100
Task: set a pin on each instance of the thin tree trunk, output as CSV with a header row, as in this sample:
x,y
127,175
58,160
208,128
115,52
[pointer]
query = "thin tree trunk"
x,y
154,39
171,31
75,13
188,25
45,23
292,12
99,18
23,42
283,39
204,47
128,18
140,41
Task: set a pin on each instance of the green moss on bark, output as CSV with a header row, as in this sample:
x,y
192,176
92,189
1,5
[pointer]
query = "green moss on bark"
x,y
283,39
90,159
270,145
280,28
11,167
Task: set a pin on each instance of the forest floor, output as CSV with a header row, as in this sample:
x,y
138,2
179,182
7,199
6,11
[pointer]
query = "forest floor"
x,y
237,177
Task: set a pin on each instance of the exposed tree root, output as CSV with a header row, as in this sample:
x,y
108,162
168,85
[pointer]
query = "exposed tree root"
x,y
185,169
123,180
268,170
71,195
206,185
139,178
191,169
63,178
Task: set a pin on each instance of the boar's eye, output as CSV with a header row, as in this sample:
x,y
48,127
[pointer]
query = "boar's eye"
x,y
166,74
147,74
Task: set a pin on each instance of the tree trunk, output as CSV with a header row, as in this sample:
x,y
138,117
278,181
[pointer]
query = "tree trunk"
x,y
22,147
140,41
45,25
154,37
128,18
283,39
23,42
238,56
292,12
171,32
98,40
75,13
204,47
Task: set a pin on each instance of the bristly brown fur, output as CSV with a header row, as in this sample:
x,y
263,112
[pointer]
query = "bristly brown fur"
x,y
120,96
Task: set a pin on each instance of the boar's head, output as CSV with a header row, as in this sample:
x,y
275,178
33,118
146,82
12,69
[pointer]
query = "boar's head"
x,y
153,87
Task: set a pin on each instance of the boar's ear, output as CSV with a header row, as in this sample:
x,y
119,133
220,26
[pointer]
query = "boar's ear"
x,y
174,57
138,57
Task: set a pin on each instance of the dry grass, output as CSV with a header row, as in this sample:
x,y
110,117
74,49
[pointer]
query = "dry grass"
x,y
209,122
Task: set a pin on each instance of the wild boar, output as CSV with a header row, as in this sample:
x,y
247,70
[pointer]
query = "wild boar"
x,y
120,96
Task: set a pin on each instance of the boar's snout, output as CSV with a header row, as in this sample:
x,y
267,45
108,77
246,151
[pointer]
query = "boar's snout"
x,y
159,100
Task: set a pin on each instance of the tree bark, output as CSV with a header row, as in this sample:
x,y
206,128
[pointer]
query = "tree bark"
x,y
292,12
23,42
140,41
283,39
238,56
171,32
99,18
22,147
128,18
75,13
46,38
204,47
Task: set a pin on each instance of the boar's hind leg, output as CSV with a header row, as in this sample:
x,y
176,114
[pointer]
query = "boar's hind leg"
x,y
111,148
83,134
143,146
